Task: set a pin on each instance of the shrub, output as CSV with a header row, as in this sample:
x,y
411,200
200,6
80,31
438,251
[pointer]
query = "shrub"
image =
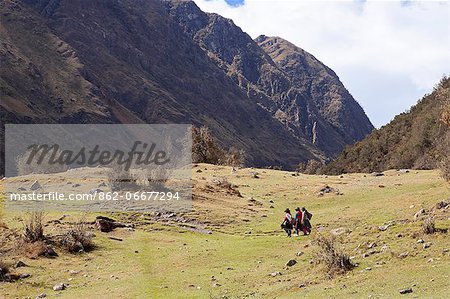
x,y
429,226
77,239
205,148
335,261
34,227
235,157
120,178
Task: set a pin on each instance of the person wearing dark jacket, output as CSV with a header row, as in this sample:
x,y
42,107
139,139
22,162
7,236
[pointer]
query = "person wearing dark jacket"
x,y
287,222
306,224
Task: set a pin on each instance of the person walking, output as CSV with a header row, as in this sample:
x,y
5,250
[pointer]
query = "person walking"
x,y
306,223
287,222
297,221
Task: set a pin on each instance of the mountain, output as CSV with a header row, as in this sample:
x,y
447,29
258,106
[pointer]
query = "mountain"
x,y
298,90
125,61
418,139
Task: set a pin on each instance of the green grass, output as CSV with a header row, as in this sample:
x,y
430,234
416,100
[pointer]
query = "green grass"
x,y
172,262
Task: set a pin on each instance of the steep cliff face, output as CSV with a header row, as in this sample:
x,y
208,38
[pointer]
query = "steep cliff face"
x,y
127,62
297,89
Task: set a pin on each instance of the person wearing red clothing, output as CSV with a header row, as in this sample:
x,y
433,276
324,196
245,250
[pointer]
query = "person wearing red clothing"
x,y
297,221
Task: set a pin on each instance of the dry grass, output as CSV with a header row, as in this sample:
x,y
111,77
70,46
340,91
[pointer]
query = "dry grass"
x,y
34,227
77,239
334,260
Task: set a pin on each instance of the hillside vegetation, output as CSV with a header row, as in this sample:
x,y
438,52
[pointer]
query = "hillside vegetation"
x,y
418,139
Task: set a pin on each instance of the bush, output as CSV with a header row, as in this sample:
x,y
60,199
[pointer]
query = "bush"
x,y
235,157
120,178
429,226
77,239
34,227
205,148
335,261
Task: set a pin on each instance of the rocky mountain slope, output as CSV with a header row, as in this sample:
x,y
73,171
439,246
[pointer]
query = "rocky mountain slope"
x,y
125,61
297,89
417,139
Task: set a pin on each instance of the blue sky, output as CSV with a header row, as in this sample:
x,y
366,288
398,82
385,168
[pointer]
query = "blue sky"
x,y
387,53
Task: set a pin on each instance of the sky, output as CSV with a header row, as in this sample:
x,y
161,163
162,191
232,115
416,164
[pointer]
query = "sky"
x,y
387,53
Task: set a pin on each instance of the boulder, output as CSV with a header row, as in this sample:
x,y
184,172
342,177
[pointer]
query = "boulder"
x,y
419,214
291,263
35,186
406,291
60,287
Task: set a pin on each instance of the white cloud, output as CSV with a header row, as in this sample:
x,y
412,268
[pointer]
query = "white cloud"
x,y
385,41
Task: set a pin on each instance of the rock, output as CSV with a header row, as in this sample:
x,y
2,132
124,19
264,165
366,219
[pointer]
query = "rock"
x,y
427,245
96,190
49,252
371,245
73,272
35,186
273,274
21,189
420,241
291,263
384,227
302,285
403,255
411,206
102,184
20,264
76,185
377,174
339,231
60,287
40,296
24,275
271,207
368,268
419,214
406,291
299,253
326,189
381,186
254,175
399,235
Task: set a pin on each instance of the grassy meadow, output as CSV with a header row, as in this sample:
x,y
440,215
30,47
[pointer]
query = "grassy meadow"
x,y
229,245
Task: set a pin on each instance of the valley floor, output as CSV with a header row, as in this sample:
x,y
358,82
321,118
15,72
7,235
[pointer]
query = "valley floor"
x,y
228,246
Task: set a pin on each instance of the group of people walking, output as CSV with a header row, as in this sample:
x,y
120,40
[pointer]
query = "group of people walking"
x,y
299,222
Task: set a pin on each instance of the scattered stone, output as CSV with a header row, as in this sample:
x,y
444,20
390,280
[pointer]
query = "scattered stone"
x,y
76,185
419,214
339,231
377,174
411,206
271,201
96,190
60,287
381,186
371,245
406,291
384,227
427,245
73,272
21,189
273,274
302,285
299,253
403,255
102,184
364,255
291,263
399,235
35,186
430,260
368,268
327,189
116,239
24,275
254,175
403,170
40,296
271,207
105,224
20,264
420,241
230,268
